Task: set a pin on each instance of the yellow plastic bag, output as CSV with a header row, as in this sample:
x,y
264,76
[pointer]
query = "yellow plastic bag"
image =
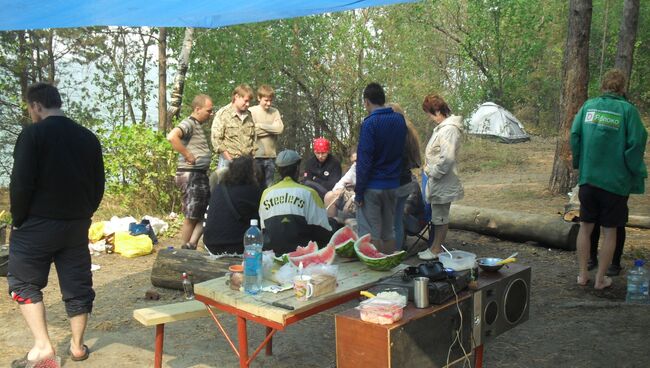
x,y
96,231
132,246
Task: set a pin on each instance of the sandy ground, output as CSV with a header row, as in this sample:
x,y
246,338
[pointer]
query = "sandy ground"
x,y
569,326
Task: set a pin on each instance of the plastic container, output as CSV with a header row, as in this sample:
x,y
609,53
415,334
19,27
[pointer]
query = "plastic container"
x,y
458,261
395,293
381,311
637,284
253,271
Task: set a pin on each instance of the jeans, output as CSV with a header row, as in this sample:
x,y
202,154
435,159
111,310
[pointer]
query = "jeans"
x,y
267,167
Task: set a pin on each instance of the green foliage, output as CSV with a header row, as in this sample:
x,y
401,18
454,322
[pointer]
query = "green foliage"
x,y
140,167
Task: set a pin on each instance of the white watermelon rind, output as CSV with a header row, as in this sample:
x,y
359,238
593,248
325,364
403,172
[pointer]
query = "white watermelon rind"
x,y
379,264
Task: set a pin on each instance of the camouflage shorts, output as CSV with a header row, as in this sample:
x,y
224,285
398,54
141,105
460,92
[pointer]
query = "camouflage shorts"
x,y
196,193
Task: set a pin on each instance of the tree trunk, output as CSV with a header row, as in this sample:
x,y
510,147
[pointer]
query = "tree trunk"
x,y
171,263
627,37
179,80
163,127
51,70
548,230
603,44
574,91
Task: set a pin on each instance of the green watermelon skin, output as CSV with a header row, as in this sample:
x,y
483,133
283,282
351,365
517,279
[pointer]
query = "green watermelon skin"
x,y
343,241
374,259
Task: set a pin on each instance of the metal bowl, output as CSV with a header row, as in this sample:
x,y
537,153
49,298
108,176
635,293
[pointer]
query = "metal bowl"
x,y
489,264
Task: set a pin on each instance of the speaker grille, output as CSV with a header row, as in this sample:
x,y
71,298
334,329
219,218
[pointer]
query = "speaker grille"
x,y
515,300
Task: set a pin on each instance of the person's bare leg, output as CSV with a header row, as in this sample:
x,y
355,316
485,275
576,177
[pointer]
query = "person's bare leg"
x,y
439,235
197,232
78,328
583,245
34,315
605,257
329,198
187,229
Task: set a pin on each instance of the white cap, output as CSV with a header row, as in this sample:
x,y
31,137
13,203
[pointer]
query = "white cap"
x,y
254,222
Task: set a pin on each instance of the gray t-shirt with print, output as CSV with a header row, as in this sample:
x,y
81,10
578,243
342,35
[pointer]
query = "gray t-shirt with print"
x,y
195,140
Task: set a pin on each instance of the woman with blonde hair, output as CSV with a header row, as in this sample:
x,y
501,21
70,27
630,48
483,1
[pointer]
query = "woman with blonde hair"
x,y
441,157
411,159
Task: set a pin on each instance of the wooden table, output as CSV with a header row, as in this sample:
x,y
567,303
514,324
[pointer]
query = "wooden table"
x,y
352,277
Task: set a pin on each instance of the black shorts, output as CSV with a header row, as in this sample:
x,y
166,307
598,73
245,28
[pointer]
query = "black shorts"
x,y
600,206
35,245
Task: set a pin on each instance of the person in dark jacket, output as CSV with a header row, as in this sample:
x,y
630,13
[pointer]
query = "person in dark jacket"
x,y
57,183
322,170
233,203
379,166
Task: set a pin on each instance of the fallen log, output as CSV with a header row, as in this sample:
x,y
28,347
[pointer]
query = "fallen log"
x,y
171,263
551,231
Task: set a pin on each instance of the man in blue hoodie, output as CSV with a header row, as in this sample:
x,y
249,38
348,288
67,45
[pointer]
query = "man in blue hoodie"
x,y
379,163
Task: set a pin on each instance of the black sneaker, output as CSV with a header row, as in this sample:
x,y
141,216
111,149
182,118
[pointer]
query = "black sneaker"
x,y
614,270
593,263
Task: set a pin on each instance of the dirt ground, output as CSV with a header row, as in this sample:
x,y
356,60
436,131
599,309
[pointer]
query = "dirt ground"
x,y
569,326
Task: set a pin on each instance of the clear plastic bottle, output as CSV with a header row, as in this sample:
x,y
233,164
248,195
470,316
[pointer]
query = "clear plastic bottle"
x,y
188,288
253,259
637,284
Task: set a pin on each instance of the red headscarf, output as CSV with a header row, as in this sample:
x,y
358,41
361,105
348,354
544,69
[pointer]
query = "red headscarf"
x,y
321,145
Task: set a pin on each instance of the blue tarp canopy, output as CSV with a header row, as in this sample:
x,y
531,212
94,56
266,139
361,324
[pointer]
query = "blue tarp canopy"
x,y
38,14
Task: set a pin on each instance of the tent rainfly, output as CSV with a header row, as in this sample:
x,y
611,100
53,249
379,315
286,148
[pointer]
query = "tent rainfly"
x,y
492,120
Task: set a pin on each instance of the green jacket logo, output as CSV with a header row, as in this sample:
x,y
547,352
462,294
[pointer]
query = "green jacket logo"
x,y
605,118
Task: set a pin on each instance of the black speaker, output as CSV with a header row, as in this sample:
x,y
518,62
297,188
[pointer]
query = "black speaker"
x,y
502,301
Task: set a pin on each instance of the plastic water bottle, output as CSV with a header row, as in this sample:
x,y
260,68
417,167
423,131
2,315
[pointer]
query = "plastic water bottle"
x,y
253,259
637,284
188,288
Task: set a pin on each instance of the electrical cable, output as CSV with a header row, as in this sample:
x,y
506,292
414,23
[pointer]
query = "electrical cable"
x,y
458,338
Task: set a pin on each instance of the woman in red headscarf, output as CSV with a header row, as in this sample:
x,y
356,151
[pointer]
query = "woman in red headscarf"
x,y
322,170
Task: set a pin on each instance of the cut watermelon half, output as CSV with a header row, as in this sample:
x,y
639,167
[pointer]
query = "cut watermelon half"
x,y
323,256
311,247
343,241
375,259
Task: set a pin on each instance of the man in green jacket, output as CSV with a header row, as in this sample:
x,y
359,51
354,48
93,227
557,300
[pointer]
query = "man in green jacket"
x,y
608,142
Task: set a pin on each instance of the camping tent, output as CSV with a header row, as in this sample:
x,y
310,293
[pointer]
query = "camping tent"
x,y
494,121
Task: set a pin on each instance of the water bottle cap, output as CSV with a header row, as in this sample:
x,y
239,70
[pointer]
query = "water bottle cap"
x,y
254,222
639,263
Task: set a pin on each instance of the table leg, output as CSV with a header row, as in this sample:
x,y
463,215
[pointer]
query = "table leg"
x,y
160,336
269,345
243,342
478,358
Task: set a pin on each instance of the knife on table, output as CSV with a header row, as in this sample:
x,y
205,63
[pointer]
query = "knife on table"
x,y
276,304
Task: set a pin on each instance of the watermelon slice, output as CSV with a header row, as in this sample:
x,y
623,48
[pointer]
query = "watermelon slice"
x,y
343,241
323,256
375,259
311,247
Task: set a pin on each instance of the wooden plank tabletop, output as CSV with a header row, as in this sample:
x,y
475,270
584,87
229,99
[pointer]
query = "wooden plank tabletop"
x,y
352,276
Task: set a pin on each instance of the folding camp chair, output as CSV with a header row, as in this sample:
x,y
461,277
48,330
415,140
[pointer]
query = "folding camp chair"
x,y
417,216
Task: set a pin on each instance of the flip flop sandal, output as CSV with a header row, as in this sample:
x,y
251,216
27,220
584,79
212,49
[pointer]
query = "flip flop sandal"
x,y
50,362
85,355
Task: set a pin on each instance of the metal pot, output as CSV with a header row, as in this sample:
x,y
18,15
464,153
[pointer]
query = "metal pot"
x,y
489,264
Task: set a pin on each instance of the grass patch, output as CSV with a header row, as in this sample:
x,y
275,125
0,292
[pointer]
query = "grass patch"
x,y
478,154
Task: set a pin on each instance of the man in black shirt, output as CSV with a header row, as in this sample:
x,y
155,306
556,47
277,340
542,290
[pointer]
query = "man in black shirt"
x,y
322,170
57,183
